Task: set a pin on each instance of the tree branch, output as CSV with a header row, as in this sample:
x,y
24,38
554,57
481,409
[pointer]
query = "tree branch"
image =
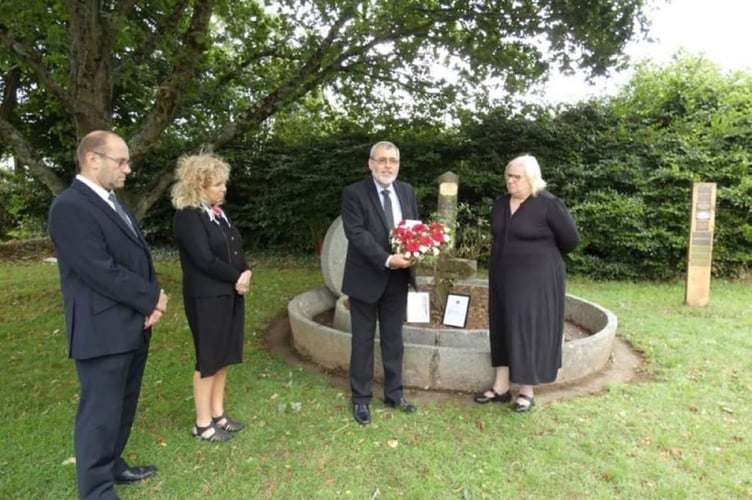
x,y
124,7
227,77
195,40
25,152
166,24
12,82
150,194
310,74
31,58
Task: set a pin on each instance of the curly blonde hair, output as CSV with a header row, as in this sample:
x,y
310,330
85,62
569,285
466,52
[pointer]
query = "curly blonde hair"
x,y
193,174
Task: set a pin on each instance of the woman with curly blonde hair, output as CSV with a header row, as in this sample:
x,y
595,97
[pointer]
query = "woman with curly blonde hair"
x,y
216,277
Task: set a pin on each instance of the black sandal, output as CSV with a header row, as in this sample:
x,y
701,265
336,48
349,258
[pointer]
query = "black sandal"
x,y
524,408
481,398
229,425
217,435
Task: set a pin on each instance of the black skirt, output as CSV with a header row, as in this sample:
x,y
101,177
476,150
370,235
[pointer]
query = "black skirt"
x,y
217,327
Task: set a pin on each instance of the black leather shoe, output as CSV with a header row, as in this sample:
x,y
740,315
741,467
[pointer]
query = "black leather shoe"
x,y
361,413
481,398
135,474
401,405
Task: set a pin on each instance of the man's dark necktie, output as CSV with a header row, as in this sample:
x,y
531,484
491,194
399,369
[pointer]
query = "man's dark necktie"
x,y
121,212
388,209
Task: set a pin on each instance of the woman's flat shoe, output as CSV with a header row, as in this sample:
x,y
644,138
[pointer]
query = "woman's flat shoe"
x,y
481,398
211,433
227,424
522,407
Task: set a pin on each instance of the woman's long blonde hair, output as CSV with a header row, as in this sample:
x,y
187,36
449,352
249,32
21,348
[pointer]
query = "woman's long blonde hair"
x,y
193,174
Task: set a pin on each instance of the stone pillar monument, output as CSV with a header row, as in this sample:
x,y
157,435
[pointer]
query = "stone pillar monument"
x,y
447,205
448,268
700,254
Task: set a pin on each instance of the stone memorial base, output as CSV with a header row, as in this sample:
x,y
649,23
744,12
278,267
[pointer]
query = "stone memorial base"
x,y
450,359
444,358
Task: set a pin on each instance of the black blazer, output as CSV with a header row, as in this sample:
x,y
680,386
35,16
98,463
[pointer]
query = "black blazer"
x,y
365,277
211,255
106,274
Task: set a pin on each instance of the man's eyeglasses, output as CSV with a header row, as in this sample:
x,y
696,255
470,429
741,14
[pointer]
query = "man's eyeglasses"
x,y
122,162
384,161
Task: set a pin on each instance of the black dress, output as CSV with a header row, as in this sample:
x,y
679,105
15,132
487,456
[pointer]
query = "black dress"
x,y
526,281
212,260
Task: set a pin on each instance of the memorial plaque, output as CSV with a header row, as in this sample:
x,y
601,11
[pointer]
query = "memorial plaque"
x,y
700,252
448,189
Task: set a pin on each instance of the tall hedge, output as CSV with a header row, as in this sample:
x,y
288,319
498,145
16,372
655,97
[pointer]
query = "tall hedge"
x,y
625,166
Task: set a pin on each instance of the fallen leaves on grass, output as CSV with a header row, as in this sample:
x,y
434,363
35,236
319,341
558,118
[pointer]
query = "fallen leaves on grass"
x,y
671,453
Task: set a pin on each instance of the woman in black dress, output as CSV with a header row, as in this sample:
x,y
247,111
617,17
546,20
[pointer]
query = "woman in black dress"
x,y
216,276
532,230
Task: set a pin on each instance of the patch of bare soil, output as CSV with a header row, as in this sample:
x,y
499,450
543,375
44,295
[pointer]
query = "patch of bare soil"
x,y
623,367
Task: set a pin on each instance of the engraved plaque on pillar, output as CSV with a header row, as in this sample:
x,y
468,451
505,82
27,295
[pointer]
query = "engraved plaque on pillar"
x,y
700,252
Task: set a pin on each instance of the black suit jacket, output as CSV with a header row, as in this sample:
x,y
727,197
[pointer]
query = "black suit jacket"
x,y
211,258
366,276
106,275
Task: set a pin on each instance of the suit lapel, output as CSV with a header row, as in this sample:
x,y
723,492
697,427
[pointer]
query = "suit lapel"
x,y
106,209
405,205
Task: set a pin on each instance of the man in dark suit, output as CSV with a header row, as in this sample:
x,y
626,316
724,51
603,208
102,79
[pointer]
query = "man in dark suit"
x,y
375,280
111,300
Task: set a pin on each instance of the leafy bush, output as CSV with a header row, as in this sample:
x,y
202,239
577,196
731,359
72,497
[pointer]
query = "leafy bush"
x,y
624,166
23,206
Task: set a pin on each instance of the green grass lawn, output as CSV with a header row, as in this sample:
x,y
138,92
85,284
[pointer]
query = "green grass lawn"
x,y
682,432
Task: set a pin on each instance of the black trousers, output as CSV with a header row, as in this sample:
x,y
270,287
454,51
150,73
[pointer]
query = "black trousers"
x,y
110,387
389,311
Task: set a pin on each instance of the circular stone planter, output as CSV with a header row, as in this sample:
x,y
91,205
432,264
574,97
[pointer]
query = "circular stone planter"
x,y
444,358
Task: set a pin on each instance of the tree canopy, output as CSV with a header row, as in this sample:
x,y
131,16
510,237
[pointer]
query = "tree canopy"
x,y
175,75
